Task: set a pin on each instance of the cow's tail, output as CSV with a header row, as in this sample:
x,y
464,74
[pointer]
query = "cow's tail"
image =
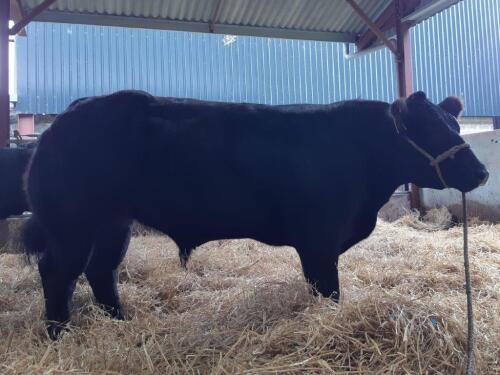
x,y
33,238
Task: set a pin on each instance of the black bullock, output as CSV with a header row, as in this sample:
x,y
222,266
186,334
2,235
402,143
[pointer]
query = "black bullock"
x,y
13,163
309,176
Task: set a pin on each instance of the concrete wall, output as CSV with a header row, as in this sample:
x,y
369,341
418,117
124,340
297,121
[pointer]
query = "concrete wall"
x,y
469,125
484,202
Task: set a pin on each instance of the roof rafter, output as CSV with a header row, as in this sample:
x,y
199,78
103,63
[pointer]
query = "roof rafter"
x,y
386,21
215,16
372,26
29,17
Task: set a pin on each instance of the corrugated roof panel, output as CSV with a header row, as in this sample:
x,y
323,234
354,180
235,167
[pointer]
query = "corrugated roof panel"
x,y
350,21
318,15
296,8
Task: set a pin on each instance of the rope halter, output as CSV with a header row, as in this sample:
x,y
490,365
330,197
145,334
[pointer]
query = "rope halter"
x,y
434,161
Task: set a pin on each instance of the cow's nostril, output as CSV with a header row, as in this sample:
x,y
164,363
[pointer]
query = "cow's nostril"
x,y
482,176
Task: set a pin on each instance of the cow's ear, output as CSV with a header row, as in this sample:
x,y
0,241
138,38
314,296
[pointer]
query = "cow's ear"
x,y
418,96
398,112
453,105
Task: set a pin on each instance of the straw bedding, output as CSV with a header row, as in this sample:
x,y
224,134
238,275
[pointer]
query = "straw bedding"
x,y
243,308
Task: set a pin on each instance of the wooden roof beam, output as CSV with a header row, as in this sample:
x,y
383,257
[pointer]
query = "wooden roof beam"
x,y
372,26
215,16
387,17
17,13
386,21
29,17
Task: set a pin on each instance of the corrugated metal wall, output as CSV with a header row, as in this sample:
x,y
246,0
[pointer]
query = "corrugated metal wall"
x,y
458,52
454,53
59,63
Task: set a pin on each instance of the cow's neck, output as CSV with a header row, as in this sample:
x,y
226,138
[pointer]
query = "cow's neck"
x,y
388,163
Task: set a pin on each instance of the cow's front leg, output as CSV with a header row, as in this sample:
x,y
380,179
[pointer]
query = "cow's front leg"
x,y
320,270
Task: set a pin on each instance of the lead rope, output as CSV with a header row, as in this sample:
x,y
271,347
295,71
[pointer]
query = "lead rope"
x,y
434,162
468,290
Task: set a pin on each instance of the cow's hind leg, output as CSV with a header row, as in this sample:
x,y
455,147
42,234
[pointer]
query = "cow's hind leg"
x,y
320,270
64,260
109,248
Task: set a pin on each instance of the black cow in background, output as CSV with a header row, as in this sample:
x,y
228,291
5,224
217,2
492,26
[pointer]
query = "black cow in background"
x,y
310,176
13,163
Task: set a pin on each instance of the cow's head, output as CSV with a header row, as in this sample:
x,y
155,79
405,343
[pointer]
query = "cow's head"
x,y
432,132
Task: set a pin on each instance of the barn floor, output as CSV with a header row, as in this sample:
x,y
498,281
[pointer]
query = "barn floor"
x,y
243,308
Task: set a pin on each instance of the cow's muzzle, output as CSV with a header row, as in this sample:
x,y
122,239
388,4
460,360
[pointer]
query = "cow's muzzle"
x,y
435,161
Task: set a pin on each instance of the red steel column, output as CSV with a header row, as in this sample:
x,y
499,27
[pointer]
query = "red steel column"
x,y
405,75
4,72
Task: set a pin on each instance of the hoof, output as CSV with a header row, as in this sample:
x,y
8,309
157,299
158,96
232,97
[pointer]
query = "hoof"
x,y
333,295
56,329
113,312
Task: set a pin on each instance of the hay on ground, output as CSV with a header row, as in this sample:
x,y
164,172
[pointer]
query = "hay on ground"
x,y
243,308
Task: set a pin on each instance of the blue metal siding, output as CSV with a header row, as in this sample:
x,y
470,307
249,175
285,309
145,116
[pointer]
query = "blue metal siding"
x,y
455,52
58,63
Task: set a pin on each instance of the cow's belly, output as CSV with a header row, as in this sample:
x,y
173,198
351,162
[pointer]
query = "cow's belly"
x,y
227,212
279,200
202,216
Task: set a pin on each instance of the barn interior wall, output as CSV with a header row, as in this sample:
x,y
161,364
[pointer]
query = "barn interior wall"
x,y
483,202
93,60
453,53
